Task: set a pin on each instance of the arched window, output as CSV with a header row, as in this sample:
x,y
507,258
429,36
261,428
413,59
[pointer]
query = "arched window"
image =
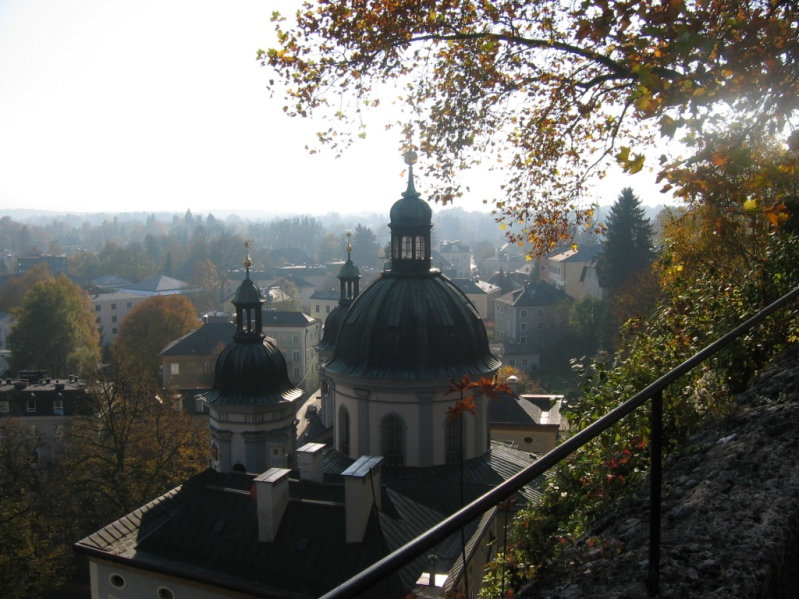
x,y
454,437
407,247
392,441
344,431
420,249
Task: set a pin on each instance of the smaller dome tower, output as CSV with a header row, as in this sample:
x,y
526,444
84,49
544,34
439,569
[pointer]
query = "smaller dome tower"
x,y
251,401
349,276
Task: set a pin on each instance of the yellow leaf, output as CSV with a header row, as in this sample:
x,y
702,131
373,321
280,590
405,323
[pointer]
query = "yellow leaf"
x,y
750,205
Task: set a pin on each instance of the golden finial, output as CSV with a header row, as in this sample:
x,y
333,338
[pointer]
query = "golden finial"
x,y
247,261
349,244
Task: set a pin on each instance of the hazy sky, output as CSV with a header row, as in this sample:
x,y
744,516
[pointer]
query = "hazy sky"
x,y
111,105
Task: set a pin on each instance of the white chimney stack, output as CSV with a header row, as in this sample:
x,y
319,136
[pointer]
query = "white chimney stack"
x,y
310,459
361,492
272,498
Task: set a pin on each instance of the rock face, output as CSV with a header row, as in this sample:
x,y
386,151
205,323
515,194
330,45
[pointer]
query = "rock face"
x,y
730,513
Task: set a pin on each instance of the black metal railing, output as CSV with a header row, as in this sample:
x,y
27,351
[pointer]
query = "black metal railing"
x,y
411,550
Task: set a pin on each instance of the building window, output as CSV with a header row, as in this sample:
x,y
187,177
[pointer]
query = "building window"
x,y
296,338
540,326
114,318
407,248
97,308
117,581
512,362
344,431
30,405
540,313
420,248
296,372
114,331
98,320
113,306
59,430
525,362
58,407
523,339
523,326
295,356
4,407
523,313
174,368
317,308
165,593
454,434
393,450
130,304
327,309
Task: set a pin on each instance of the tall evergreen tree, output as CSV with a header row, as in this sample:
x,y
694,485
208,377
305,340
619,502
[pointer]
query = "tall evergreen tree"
x,y
628,241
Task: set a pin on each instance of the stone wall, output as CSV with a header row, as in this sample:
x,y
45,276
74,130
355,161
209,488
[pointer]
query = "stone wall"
x,y
730,513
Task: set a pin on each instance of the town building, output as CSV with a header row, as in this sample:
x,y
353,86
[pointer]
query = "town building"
x,y
188,362
459,258
57,265
531,422
44,407
529,323
482,294
112,308
574,271
296,334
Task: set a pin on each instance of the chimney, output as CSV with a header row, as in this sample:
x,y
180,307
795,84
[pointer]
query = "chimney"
x,y
361,492
513,383
271,490
310,459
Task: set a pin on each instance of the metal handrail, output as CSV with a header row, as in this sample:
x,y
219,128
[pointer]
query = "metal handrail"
x,y
411,550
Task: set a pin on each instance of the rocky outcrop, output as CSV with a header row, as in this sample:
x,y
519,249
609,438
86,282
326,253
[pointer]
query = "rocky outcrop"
x,y
730,513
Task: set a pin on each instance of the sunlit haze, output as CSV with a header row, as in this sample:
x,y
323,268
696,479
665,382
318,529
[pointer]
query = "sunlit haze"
x,y
112,106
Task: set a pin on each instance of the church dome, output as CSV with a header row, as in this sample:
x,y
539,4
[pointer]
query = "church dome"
x,y
412,323
332,326
250,371
251,374
412,328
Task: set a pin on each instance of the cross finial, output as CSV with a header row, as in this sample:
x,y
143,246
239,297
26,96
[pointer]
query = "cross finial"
x,y
247,261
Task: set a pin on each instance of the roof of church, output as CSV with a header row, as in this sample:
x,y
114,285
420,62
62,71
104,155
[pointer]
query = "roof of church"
x,y
207,530
411,323
332,327
418,327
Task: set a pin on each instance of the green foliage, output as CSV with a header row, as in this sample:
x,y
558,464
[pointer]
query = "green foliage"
x,y
552,94
54,330
287,297
132,444
695,312
365,249
34,532
628,241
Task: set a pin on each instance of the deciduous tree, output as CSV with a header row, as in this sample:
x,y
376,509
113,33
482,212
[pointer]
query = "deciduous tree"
x,y
150,327
54,330
133,444
550,92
